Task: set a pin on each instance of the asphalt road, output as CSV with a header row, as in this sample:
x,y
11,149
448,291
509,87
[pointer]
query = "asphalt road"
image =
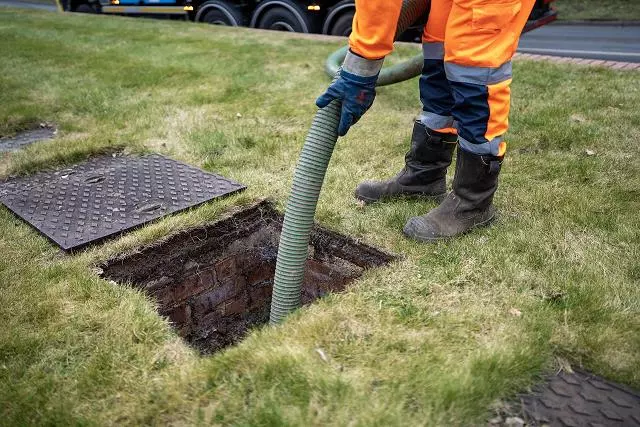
x,y
607,42
26,5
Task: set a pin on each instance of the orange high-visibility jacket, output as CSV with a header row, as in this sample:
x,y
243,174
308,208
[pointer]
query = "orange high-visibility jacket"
x,y
479,32
374,27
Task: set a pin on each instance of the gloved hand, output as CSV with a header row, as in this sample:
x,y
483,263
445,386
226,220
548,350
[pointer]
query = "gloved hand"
x,y
355,88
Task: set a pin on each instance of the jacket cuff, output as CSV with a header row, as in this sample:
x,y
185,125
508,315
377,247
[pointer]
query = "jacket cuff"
x,y
360,66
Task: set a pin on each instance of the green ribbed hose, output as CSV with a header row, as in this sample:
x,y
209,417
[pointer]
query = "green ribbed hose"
x,y
411,12
406,70
307,183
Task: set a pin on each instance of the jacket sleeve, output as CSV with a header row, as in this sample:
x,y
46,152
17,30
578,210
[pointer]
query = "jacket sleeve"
x,y
374,27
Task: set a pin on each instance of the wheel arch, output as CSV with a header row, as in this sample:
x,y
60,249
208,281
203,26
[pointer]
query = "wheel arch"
x,y
266,5
335,12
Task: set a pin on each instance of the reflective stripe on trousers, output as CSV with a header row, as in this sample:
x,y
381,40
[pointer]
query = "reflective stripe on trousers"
x,y
467,46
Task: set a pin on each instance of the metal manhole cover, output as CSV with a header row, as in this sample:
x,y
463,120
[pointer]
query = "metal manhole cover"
x,y
105,196
22,139
581,399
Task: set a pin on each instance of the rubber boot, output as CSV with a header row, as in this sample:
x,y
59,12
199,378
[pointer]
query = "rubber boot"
x,y
467,206
425,170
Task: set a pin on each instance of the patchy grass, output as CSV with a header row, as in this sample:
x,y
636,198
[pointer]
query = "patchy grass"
x,y
610,10
430,340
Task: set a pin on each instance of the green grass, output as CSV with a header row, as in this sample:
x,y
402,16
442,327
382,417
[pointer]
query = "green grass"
x,y
429,340
614,10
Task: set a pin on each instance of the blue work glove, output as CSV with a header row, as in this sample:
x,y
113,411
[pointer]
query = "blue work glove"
x,y
355,88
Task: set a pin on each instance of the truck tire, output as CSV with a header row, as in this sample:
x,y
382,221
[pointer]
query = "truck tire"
x,y
85,8
219,12
336,13
283,15
342,24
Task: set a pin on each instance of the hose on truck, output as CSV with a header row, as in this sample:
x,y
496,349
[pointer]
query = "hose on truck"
x,y
309,176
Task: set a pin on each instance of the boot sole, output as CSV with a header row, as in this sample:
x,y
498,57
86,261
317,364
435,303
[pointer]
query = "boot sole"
x,y
368,200
484,223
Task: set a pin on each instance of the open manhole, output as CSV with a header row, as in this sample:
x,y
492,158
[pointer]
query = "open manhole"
x,y
41,132
214,283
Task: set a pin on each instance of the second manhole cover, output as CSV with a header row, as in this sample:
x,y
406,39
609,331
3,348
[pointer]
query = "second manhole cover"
x,y
27,137
581,399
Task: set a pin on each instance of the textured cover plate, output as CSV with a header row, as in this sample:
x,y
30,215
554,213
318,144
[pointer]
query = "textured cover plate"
x,y
582,399
105,196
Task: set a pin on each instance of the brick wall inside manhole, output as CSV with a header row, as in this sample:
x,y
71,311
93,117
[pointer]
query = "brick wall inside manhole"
x,y
215,282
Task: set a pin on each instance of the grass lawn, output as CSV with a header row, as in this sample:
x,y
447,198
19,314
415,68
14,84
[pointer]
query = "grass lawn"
x,y
431,339
622,10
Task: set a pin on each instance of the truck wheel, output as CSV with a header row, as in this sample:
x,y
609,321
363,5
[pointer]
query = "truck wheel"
x,y
219,12
339,18
342,24
85,8
289,18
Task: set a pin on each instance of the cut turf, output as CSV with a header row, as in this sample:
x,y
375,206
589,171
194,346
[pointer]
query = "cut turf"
x,y
432,339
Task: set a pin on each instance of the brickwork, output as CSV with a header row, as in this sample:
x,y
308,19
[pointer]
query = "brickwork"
x,y
203,296
215,283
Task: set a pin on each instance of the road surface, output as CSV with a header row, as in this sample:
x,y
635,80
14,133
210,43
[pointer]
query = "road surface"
x,y
608,42
26,5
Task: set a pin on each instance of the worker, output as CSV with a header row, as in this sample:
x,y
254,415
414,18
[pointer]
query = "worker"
x,y
465,95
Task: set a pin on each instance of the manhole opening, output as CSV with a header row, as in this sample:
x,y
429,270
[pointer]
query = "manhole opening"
x,y
41,132
214,283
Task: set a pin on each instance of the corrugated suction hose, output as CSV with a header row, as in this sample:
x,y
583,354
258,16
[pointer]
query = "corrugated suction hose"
x,y
406,70
307,183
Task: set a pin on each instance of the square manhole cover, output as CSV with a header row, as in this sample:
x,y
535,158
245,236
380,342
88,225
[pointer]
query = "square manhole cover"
x,y
581,399
106,196
22,139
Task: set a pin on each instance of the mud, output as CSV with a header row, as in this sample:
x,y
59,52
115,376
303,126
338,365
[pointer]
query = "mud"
x,y
214,283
